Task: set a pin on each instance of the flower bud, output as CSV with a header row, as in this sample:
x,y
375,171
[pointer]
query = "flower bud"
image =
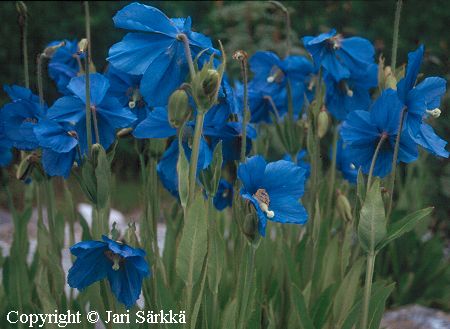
x,y
22,8
82,45
178,108
249,226
343,206
323,122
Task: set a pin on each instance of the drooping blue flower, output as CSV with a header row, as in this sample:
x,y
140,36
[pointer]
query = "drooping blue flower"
x,y
300,161
344,163
155,50
59,143
109,113
224,195
420,101
362,131
167,166
125,87
340,57
155,125
64,64
268,89
125,267
274,190
19,117
350,94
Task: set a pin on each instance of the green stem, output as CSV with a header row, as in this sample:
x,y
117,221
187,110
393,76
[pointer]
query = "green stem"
x,y
244,73
195,151
374,160
50,208
333,171
247,285
94,119
24,38
288,25
395,35
394,162
187,51
87,64
40,78
368,288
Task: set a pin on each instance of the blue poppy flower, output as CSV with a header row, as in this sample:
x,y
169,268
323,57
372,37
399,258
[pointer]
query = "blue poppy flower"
x,y
64,64
125,267
268,89
59,143
350,94
362,131
167,166
340,57
109,112
19,117
224,195
344,163
125,87
155,51
300,161
274,190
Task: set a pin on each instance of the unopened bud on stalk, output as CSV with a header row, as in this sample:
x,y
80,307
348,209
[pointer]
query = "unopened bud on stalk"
x,y
26,167
124,132
83,45
343,206
211,83
323,122
22,8
178,108
249,226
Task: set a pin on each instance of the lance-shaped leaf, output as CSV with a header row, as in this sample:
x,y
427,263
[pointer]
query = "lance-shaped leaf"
x,y
404,225
372,222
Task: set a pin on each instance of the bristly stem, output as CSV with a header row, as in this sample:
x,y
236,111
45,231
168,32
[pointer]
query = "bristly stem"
x,y
333,170
40,78
242,57
368,288
23,24
394,162
87,60
288,25
395,35
383,137
195,152
187,51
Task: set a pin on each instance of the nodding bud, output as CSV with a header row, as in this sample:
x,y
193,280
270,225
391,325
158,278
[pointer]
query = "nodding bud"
x,y
343,206
26,166
124,132
323,122
178,108
51,50
435,113
211,83
22,8
83,45
250,226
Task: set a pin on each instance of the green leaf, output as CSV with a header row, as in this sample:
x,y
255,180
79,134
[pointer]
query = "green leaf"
x,y
372,221
361,186
322,306
377,304
404,225
216,166
300,309
88,182
346,293
194,242
216,255
230,315
183,175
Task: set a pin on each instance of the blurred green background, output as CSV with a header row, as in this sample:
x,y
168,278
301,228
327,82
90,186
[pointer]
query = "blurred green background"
x,y
255,26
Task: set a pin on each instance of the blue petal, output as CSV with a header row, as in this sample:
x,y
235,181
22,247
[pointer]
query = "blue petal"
x,y
262,219
287,209
98,87
115,114
68,109
224,195
426,95
431,142
357,129
122,249
412,70
251,173
53,136
283,178
126,283
156,125
385,112
262,62
58,163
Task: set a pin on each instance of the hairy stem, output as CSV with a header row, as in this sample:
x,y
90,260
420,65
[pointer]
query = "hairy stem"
x,y
368,288
246,114
87,63
374,160
395,35
195,152
187,51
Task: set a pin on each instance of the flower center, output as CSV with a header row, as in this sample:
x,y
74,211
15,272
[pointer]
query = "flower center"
x,y
116,259
135,99
335,41
31,120
264,201
276,75
344,86
436,113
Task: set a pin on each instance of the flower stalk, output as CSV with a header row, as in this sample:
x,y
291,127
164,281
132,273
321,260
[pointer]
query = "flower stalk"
x,y
86,68
368,288
383,137
23,24
395,35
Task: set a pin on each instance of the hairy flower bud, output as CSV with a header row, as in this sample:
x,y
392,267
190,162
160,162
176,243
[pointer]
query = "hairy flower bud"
x,y
82,45
323,122
178,108
343,206
51,50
